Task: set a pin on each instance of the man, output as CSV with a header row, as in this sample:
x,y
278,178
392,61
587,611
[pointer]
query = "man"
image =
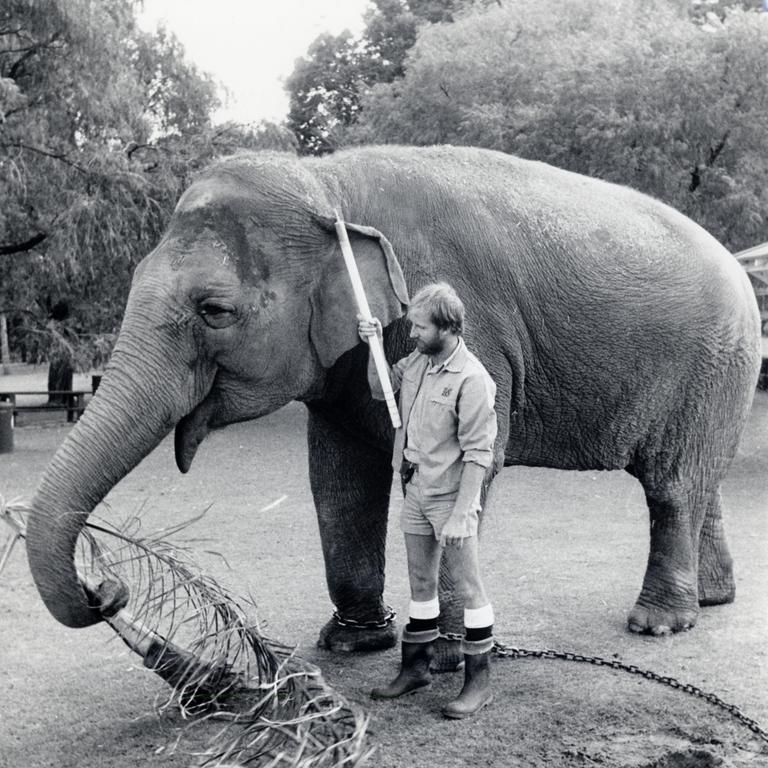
x,y
442,451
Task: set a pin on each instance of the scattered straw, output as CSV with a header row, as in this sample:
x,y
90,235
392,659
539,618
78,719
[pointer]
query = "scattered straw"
x,y
193,632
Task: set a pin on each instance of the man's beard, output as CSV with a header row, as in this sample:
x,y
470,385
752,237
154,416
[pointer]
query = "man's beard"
x,y
430,348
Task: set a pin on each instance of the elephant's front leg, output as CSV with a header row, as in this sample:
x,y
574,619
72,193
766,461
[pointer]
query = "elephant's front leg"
x,y
351,483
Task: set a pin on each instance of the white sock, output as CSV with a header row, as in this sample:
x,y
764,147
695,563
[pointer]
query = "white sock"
x,y
475,618
427,610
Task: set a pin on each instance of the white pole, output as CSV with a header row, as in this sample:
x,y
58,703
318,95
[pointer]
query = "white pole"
x,y
5,350
382,369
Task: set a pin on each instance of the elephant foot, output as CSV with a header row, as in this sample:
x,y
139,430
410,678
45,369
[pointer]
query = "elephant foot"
x,y
716,594
448,656
716,587
342,638
716,583
669,600
658,620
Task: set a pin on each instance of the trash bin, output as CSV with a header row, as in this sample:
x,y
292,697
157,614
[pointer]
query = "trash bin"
x,y
6,427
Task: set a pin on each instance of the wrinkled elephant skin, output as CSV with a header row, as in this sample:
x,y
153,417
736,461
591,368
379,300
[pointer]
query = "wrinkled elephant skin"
x,y
620,336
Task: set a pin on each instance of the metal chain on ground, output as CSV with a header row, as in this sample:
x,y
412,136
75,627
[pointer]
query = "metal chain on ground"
x,y
503,651
513,652
354,624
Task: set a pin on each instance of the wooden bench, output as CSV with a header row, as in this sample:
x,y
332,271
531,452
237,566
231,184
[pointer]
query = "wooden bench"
x,y
74,403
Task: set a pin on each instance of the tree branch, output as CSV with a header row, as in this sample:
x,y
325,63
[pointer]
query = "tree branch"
x,y
28,53
134,147
23,311
15,111
715,151
28,245
56,156
695,179
14,70
28,105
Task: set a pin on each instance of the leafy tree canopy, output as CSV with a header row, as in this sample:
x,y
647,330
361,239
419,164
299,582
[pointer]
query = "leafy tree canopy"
x,y
101,125
655,95
327,84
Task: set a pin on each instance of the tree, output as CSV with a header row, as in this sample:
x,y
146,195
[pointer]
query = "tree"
x,y
101,126
81,82
709,11
636,94
324,92
328,83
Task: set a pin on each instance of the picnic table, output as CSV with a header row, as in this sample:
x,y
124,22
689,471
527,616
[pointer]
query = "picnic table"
x,y
73,401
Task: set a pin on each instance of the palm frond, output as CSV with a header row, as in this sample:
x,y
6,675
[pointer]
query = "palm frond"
x,y
206,643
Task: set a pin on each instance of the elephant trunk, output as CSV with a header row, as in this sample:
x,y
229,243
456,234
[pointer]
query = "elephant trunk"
x,y
129,415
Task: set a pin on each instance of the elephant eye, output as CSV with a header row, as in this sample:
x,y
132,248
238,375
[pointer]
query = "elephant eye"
x,y
217,314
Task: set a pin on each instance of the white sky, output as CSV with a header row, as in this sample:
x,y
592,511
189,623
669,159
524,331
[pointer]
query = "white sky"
x,y
250,46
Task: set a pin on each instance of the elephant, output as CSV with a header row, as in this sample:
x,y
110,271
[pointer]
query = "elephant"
x,y
620,335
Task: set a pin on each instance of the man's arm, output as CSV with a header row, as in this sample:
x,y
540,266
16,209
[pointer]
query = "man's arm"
x,y
454,531
476,431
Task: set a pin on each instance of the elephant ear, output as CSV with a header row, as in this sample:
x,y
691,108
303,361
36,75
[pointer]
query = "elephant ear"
x,y
334,310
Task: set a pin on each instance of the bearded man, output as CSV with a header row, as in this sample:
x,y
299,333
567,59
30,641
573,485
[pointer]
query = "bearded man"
x,y
442,451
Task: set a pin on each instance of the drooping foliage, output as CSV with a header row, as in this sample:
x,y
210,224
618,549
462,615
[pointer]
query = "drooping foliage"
x,y
656,95
101,124
327,83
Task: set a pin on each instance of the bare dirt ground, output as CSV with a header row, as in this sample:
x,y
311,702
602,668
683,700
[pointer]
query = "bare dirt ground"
x,y
564,555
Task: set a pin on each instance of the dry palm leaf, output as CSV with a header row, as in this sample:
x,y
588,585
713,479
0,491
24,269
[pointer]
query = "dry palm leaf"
x,y
198,636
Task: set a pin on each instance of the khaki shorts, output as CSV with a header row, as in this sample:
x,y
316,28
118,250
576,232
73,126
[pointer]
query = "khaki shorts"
x,y
426,515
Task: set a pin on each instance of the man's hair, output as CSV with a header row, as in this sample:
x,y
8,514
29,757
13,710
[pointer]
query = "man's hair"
x,y
441,305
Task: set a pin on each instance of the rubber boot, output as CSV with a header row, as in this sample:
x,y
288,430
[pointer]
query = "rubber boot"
x,y
414,671
476,692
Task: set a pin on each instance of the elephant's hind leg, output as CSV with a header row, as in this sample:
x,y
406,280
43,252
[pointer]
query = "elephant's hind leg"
x,y
716,582
681,468
668,601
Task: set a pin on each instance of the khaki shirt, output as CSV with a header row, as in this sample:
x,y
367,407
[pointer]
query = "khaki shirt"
x,y
448,414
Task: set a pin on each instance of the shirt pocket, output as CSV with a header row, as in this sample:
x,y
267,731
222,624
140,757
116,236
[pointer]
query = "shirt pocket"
x,y
441,418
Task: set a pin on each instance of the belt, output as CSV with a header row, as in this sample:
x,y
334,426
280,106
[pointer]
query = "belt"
x,y
407,470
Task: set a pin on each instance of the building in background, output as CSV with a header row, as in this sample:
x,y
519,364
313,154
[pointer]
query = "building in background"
x,y
755,262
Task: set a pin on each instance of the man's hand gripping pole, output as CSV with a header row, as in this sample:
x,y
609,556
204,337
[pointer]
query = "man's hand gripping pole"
x,y
377,350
